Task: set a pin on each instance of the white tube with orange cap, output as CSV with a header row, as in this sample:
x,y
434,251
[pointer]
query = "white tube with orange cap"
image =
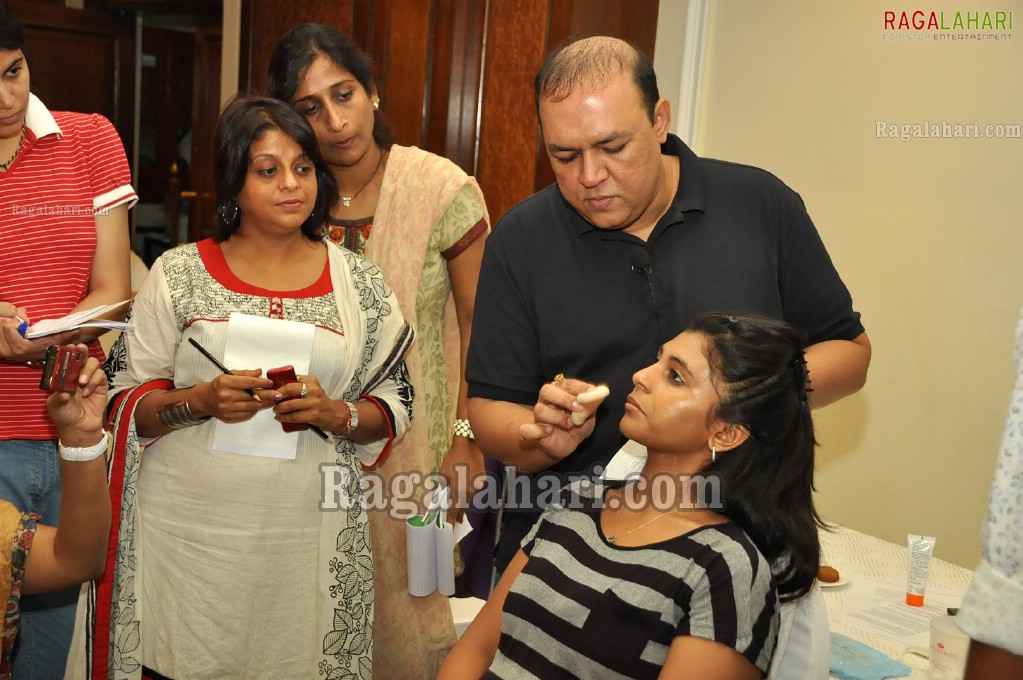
x,y
920,550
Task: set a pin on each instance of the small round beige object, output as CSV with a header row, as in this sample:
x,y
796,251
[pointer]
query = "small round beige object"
x,y
590,400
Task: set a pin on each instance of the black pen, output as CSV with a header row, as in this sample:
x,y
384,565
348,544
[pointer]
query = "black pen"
x,y
224,369
320,433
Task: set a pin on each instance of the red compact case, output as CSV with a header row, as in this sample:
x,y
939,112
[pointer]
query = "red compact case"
x,y
61,369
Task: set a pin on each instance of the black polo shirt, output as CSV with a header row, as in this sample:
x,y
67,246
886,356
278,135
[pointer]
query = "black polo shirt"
x,y
557,295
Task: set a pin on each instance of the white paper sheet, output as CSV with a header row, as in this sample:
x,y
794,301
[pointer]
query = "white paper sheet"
x,y
878,607
258,342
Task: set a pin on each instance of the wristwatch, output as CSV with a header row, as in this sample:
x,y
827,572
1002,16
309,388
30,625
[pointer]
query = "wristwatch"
x,y
81,454
353,421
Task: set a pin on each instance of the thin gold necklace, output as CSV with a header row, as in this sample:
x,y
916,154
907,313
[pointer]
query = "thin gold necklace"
x,y
17,150
346,201
615,537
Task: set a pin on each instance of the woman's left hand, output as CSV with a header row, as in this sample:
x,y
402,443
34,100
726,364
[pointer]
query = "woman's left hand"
x,y
312,408
83,411
14,347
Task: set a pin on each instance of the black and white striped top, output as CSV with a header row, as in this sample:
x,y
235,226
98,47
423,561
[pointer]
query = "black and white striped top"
x,y
583,608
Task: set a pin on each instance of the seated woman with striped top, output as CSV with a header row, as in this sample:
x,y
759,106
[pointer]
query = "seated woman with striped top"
x,y
679,571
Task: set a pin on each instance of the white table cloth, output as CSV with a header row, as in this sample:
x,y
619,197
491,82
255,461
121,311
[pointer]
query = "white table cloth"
x,y
862,555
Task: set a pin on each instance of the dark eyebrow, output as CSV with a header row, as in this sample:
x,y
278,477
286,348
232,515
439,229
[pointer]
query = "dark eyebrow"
x,y
303,157
308,97
611,138
682,365
14,63
329,88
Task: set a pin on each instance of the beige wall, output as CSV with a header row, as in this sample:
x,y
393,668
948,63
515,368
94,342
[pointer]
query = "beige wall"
x,y
928,235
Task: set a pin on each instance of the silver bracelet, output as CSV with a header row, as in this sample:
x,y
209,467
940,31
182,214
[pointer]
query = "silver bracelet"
x,y
353,421
461,429
177,416
81,454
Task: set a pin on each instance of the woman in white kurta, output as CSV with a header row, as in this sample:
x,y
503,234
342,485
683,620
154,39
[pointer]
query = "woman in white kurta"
x,y
424,221
228,567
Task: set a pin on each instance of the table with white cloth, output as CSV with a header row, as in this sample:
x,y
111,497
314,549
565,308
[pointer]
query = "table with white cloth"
x,y
861,555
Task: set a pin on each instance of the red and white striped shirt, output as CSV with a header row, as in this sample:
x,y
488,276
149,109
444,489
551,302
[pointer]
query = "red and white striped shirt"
x,y
71,166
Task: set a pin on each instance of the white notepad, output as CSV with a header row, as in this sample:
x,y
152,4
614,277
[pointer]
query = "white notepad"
x,y
78,320
259,342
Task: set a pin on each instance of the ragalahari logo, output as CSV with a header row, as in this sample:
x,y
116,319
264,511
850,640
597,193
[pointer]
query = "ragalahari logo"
x,y
947,21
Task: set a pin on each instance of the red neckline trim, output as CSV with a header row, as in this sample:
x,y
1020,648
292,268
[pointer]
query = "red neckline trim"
x,y
213,258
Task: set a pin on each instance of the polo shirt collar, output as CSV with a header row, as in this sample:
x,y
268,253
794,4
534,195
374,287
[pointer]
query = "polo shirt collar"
x,y
39,120
691,193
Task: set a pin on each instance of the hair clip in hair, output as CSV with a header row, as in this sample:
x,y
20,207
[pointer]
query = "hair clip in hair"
x,y
801,375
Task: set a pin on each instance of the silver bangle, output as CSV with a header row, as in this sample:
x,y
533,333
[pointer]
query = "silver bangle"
x,y
82,454
177,416
461,428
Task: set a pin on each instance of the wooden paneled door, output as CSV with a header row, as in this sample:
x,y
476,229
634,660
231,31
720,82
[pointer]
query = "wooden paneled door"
x,y
456,76
205,112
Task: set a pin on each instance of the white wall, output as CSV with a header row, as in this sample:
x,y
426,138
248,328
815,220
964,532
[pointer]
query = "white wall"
x,y
927,234
667,58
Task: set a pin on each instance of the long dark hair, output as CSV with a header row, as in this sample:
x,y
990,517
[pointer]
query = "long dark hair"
x,y
300,47
12,37
762,383
245,119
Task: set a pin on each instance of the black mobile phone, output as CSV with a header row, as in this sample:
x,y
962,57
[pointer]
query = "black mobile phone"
x,y
281,376
61,369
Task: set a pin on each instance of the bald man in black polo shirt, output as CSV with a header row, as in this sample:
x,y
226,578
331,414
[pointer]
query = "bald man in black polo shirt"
x,y
589,276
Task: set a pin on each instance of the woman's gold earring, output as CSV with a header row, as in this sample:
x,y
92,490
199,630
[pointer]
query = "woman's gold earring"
x,y
713,454
376,105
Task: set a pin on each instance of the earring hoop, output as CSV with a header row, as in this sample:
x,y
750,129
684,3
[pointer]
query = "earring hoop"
x,y
229,214
713,454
